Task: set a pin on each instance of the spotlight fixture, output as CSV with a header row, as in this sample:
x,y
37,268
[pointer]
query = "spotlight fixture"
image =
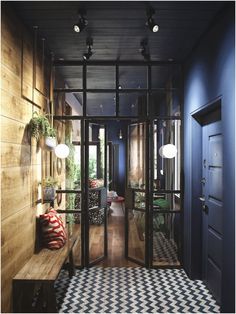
x,y
81,24
150,21
89,53
120,135
144,49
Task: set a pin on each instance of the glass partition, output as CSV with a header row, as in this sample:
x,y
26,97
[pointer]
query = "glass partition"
x,y
136,155
67,172
132,77
166,202
166,76
101,104
132,104
167,154
135,193
68,103
136,235
101,77
165,103
166,239
68,77
166,207
97,191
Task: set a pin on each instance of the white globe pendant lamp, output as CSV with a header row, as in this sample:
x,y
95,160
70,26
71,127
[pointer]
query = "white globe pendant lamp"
x,y
168,151
62,151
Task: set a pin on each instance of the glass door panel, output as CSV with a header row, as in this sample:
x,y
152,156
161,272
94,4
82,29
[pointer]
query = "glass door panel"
x,y
68,174
166,208
136,193
97,192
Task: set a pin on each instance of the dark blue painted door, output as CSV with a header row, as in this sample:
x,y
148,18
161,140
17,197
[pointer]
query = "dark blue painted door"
x,y
212,206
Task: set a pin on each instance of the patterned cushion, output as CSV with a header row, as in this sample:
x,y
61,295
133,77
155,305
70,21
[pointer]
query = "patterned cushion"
x,y
53,230
92,183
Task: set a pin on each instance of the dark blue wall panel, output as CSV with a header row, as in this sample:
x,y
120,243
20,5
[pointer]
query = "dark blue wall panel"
x,y
209,73
113,128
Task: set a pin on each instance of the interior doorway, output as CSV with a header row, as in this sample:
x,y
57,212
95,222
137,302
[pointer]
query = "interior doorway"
x,y
212,206
209,189
107,237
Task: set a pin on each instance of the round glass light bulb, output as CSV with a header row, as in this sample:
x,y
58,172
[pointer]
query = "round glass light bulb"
x,y
62,151
168,151
76,28
155,28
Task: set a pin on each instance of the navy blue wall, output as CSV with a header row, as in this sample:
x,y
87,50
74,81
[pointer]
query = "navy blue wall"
x,y
113,128
209,73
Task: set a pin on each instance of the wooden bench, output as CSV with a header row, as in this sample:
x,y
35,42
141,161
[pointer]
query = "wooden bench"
x,y
33,286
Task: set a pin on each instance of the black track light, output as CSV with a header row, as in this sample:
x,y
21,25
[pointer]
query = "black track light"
x,y
89,53
152,25
150,21
81,24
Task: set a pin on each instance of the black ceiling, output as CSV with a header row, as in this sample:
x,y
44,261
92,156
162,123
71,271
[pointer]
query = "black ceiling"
x,y
117,27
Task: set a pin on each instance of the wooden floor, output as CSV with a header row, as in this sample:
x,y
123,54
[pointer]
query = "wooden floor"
x,y
116,244
116,240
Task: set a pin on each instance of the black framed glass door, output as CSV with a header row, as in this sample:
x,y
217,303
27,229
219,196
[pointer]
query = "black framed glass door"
x,y
95,189
165,193
136,198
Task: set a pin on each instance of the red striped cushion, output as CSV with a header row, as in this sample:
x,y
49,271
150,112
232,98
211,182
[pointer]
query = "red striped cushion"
x,y
53,230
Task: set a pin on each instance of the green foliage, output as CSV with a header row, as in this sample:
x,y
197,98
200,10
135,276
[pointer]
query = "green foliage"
x,y
51,132
39,126
92,168
72,168
50,182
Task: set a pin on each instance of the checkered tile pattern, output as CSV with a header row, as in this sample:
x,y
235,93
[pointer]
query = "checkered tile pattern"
x,y
164,249
132,290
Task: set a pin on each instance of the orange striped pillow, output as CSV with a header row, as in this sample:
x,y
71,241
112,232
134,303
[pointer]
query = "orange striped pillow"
x,y
53,230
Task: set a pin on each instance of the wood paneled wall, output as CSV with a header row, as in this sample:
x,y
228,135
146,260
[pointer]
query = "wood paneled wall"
x,y
24,89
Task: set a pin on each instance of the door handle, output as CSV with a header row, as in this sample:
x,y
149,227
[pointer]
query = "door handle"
x,y
202,198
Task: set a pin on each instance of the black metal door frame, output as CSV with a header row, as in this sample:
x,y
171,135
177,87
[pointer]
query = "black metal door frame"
x,y
85,166
148,137
85,137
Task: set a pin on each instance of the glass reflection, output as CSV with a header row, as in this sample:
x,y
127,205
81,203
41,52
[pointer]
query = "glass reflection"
x,y
136,238
139,200
166,201
136,165
133,76
167,170
165,103
95,73
96,233
97,191
166,239
133,104
101,104
166,76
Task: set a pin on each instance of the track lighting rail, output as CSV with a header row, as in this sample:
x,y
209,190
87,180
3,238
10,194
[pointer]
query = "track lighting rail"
x,y
111,62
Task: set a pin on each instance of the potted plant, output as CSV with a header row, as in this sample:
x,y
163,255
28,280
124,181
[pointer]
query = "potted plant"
x,y
50,138
40,127
49,184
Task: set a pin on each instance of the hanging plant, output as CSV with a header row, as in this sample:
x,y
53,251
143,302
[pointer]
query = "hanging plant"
x,y
39,126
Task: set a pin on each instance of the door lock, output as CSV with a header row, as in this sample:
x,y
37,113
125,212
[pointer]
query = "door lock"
x,y
205,208
203,180
202,198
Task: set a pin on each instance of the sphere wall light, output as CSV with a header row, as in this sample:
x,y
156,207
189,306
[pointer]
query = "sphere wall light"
x,y
62,151
168,151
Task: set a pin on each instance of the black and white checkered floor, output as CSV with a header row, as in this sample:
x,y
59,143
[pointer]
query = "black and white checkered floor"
x,y
132,290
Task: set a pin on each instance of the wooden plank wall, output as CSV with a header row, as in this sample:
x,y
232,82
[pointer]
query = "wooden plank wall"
x,y
24,89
